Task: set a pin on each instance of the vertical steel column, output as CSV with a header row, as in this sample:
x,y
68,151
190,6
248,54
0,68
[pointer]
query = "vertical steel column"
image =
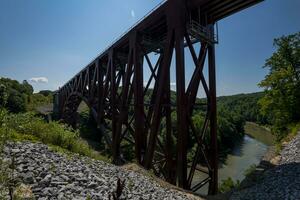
x,y
213,185
160,85
170,165
177,18
139,119
99,80
111,65
181,112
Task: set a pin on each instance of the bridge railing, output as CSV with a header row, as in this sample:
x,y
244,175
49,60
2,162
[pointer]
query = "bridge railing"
x,y
132,27
203,33
122,35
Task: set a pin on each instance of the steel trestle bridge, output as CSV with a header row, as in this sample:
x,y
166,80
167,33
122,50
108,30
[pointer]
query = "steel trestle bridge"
x,y
129,113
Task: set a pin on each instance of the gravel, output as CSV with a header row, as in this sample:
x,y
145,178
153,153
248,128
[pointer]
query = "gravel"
x,y
280,182
52,175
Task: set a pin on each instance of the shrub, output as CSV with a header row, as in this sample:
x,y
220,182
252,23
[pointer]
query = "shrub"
x,y
294,128
37,100
228,184
27,126
3,115
250,170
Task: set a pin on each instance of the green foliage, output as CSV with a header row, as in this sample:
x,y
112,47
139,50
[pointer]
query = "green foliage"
x,y
3,96
228,184
88,126
282,85
16,101
27,126
3,117
245,105
26,88
294,128
46,93
14,94
250,170
230,128
38,99
49,133
233,112
18,97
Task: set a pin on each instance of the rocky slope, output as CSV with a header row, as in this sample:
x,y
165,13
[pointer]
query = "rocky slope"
x,y
281,181
51,175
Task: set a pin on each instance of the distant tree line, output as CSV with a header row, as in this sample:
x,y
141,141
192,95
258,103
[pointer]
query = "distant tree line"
x,y
19,97
245,105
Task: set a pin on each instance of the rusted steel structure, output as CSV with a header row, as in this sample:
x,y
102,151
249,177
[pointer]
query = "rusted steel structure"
x,y
129,113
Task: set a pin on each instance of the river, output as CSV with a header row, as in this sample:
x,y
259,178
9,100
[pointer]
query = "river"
x,y
249,152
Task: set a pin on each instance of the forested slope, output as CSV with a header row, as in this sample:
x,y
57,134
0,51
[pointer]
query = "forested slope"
x,y
245,105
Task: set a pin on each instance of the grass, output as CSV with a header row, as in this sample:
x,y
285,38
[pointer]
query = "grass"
x,y
61,138
228,185
293,130
250,170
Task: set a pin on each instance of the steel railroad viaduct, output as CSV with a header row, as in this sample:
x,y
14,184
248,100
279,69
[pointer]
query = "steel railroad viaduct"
x,y
128,113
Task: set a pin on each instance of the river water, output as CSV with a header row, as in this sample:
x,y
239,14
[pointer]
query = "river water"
x,y
249,152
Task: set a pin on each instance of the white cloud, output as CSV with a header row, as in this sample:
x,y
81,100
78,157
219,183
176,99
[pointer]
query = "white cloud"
x,y
38,80
132,14
173,84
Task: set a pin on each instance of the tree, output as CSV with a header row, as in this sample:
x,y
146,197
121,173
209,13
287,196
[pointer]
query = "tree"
x,y
15,94
16,102
282,84
46,92
27,88
3,96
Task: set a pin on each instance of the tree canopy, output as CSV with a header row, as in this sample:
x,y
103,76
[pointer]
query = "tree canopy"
x,y
15,94
18,97
282,84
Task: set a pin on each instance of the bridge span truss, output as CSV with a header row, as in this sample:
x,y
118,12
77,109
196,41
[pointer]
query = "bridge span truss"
x,y
131,110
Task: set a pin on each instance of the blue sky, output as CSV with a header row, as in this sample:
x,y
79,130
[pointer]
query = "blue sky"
x,y
56,38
